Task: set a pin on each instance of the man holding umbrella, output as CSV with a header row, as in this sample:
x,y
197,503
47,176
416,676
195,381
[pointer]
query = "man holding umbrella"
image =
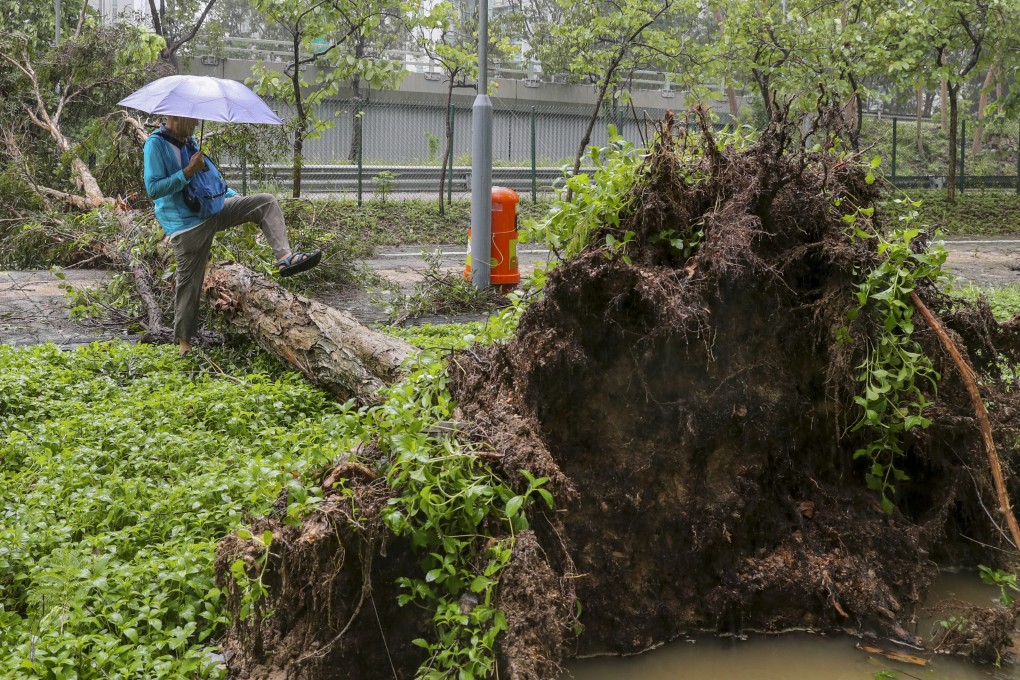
x,y
172,163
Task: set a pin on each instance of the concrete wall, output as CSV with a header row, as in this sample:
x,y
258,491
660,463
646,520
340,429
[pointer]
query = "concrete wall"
x,y
396,121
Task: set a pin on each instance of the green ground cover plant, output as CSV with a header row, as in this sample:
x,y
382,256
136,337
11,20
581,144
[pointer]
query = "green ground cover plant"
x,y
122,466
120,469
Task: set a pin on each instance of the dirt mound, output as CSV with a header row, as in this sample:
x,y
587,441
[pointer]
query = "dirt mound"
x,y
693,407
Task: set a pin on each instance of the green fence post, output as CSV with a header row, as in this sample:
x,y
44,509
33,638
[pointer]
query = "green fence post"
x,y
534,163
894,150
244,176
449,180
361,148
619,121
963,154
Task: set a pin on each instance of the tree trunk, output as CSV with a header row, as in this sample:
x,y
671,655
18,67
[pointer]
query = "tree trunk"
x,y
979,131
920,113
449,148
299,106
330,347
607,78
356,119
951,174
943,102
763,81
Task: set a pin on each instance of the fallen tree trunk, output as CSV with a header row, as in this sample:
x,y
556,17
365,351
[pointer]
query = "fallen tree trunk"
x,y
330,347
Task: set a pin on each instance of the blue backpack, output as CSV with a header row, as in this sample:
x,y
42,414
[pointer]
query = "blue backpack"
x,y
204,193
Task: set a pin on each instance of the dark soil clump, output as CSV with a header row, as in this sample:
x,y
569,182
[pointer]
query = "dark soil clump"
x,y
695,418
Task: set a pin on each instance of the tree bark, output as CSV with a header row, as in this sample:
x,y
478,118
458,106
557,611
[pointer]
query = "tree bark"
x,y
330,347
943,104
356,116
299,129
951,173
979,131
443,179
920,114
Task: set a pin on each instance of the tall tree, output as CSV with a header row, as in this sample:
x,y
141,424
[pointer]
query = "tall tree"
x,y
322,35
64,91
178,22
391,32
602,41
960,33
795,47
451,45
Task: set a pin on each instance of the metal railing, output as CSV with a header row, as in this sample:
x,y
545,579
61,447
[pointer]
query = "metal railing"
x,y
367,180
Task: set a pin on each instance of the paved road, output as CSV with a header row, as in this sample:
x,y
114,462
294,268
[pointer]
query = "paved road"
x,y
33,307
985,262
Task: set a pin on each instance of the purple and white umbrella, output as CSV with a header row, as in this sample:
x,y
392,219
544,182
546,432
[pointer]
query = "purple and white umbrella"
x,y
203,98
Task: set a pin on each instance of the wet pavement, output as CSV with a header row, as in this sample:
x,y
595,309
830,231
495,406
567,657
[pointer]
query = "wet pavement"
x,y
33,306
34,309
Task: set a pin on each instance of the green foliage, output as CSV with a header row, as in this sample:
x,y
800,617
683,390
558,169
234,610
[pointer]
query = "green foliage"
x,y
896,371
328,36
433,142
253,590
597,200
121,467
1004,301
258,146
975,213
957,623
459,516
450,336
1004,580
43,240
384,182
442,292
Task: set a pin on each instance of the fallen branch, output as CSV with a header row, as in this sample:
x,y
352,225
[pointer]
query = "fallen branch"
x,y
970,381
330,347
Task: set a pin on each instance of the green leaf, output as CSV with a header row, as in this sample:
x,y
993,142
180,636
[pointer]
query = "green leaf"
x,y
513,506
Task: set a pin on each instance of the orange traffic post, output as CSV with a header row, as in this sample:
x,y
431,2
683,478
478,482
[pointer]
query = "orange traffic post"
x,y
503,257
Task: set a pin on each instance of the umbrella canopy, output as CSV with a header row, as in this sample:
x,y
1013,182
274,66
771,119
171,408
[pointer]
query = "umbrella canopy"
x,y
202,97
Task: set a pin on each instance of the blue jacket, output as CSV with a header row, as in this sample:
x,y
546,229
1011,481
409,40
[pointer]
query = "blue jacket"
x,y
165,182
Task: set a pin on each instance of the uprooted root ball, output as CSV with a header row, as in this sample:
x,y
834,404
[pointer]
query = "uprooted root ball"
x,y
693,411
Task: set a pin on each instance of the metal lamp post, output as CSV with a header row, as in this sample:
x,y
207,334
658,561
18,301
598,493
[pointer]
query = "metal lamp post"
x,y
481,161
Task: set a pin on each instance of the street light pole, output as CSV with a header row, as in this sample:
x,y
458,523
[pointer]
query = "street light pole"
x,y
481,161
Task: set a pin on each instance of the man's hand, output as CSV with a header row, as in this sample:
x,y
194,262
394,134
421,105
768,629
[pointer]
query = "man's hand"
x,y
195,165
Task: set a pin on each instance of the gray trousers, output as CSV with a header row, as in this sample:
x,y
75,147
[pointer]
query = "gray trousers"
x,y
191,251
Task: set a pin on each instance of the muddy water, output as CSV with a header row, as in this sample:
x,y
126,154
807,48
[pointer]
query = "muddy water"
x,y
801,656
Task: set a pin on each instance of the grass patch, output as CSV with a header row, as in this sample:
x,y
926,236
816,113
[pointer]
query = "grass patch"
x,y
394,223
976,212
121,467
1004,301
449,336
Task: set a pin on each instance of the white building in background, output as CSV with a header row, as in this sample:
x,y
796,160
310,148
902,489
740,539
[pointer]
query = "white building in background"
x,y
116,10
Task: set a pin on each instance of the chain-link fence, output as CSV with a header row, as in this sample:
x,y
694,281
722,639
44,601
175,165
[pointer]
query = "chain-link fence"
x,y
382,148
377,148
915,154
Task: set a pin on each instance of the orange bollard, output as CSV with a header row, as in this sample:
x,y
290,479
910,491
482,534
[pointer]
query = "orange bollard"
x,y
503,262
